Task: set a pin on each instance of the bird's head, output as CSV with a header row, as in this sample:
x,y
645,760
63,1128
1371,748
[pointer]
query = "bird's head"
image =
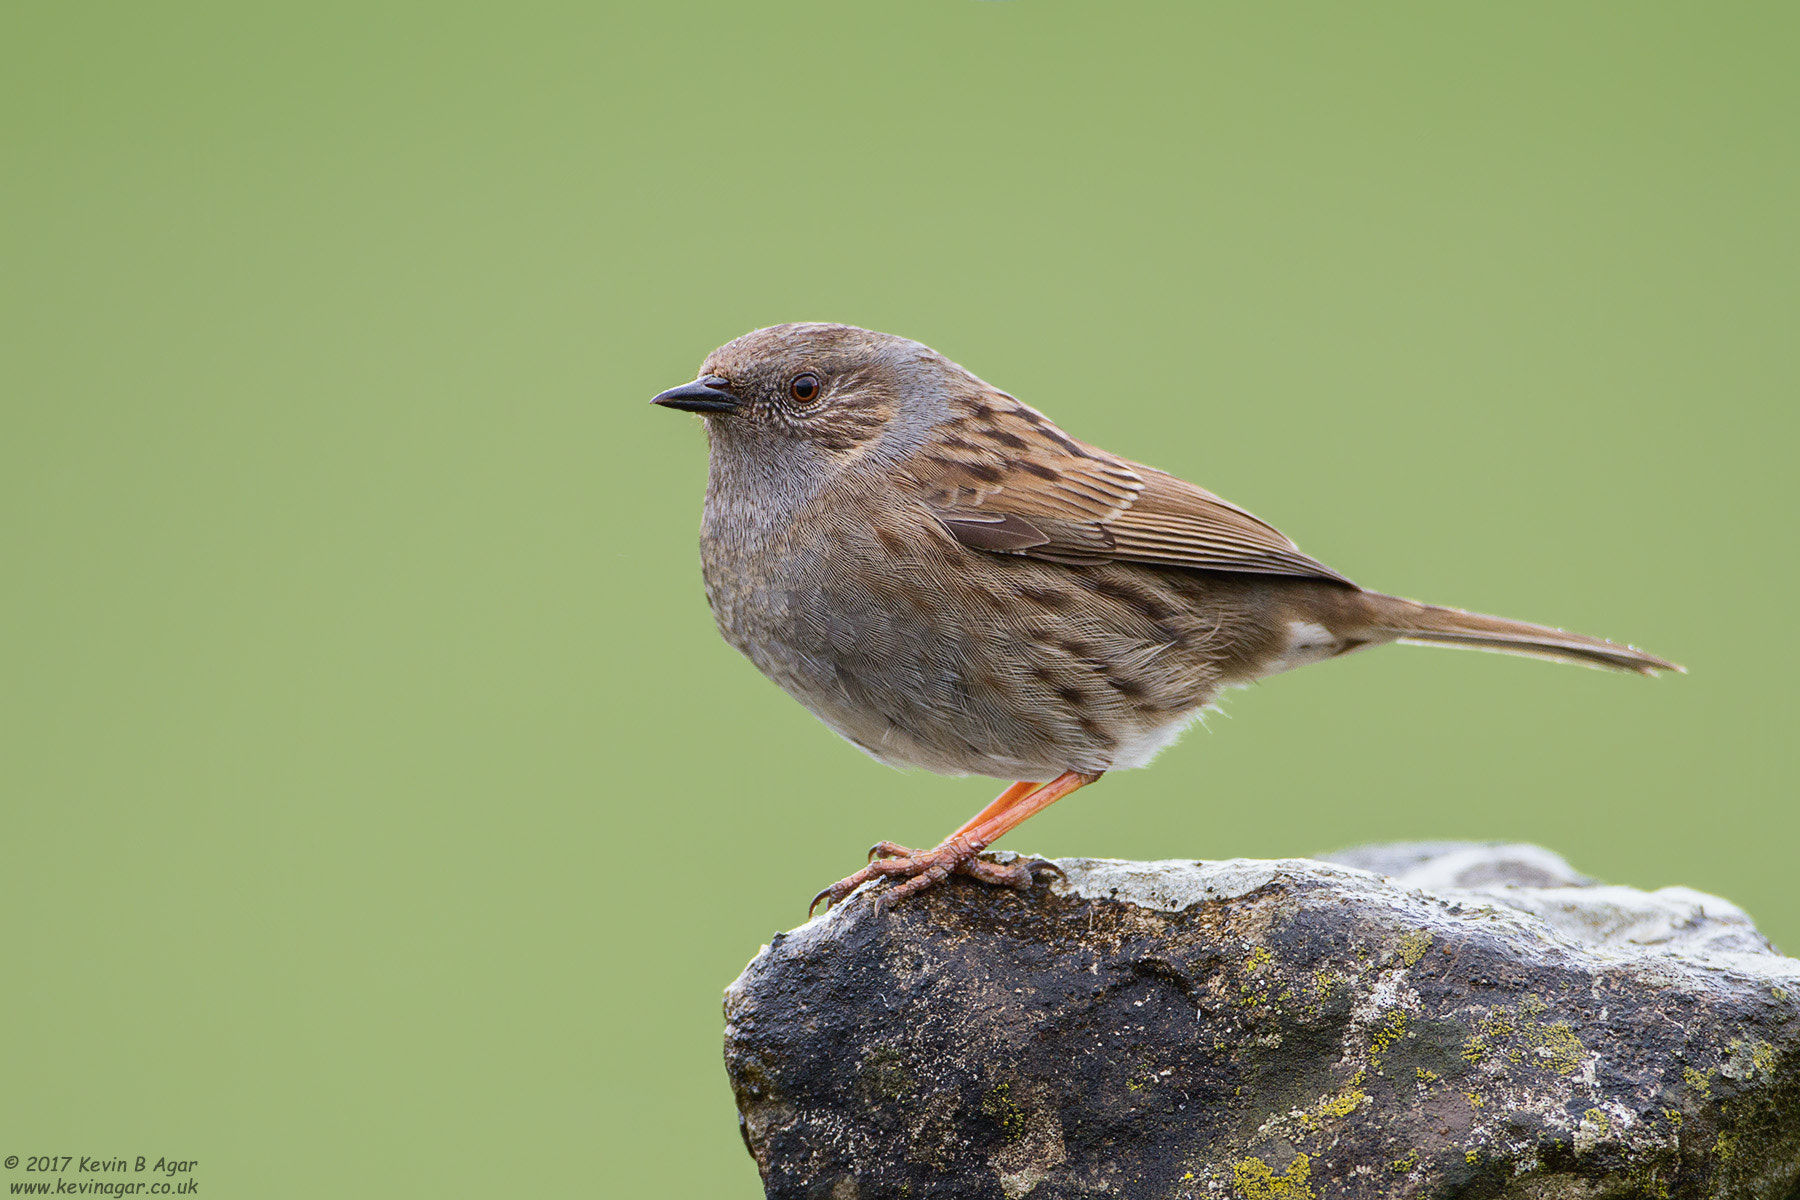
x,y
830,390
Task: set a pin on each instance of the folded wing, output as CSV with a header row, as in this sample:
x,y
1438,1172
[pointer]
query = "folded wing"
x,y
1003,479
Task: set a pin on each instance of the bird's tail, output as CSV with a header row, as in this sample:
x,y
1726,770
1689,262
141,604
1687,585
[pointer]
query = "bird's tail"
x,y
1395,619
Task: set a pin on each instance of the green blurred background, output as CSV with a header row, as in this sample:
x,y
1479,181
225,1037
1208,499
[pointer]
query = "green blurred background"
x,y
383,814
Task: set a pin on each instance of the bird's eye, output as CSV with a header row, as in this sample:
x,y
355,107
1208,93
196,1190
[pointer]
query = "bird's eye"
x,y
804,387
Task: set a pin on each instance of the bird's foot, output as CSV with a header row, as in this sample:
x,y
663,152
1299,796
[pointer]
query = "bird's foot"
x,y
916,870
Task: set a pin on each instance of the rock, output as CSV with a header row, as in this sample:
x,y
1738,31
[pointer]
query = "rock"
x,y
1479,1021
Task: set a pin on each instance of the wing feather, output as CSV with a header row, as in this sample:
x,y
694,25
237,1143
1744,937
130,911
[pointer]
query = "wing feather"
x,y
1006,481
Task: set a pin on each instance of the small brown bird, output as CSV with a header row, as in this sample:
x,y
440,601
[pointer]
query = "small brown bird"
x,y
950,581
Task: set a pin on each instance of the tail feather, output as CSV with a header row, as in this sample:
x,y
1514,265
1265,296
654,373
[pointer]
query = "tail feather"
x,y
1429,625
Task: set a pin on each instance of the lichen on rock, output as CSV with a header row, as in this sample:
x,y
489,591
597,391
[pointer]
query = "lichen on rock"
x,y
1461,1024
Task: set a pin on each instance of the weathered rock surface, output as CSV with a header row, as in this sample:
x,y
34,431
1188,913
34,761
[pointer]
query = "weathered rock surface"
x,y
1471,1021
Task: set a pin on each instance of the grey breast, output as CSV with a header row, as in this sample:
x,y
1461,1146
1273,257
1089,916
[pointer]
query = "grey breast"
x,y
924,653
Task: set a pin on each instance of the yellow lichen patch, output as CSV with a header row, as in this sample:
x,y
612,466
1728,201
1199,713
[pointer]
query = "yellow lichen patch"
x,y
1497,1025
1413,946
1474,1099
1401,1166
1254,1179
1554,1045
1694,1079
999,1108
1472,1157
1743,1059
1324,982
1779,993
1557,1045
1675,1117
1725,1149
1647,1182
1342,1104
1426,1078
1385,1035
1598,1119
1259,957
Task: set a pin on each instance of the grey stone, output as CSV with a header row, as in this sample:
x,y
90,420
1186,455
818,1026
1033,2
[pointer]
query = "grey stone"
x,y
1472,1021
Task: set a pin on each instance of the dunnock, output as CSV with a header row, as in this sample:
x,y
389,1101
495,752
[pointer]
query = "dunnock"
x,y
949,581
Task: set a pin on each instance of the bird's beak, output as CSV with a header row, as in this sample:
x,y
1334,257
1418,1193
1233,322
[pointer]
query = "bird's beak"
x,y
707,394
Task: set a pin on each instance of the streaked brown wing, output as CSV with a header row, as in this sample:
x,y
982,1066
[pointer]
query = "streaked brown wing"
x,y
1007,481
1177,523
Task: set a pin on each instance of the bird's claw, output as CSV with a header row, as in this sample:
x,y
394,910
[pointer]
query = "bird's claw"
x,y
843,887
915,870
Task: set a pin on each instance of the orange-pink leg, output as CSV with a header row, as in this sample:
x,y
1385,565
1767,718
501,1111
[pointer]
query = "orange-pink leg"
x,y
1000,804
923,869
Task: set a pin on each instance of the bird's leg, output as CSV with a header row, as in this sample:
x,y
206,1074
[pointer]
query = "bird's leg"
x,y
1007,875
958,852
1001,803
896,854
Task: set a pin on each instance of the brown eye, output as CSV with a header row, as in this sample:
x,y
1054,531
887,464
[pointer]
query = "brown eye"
x,y
804,387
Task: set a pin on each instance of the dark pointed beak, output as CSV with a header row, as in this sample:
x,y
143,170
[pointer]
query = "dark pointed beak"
x,y
707,394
